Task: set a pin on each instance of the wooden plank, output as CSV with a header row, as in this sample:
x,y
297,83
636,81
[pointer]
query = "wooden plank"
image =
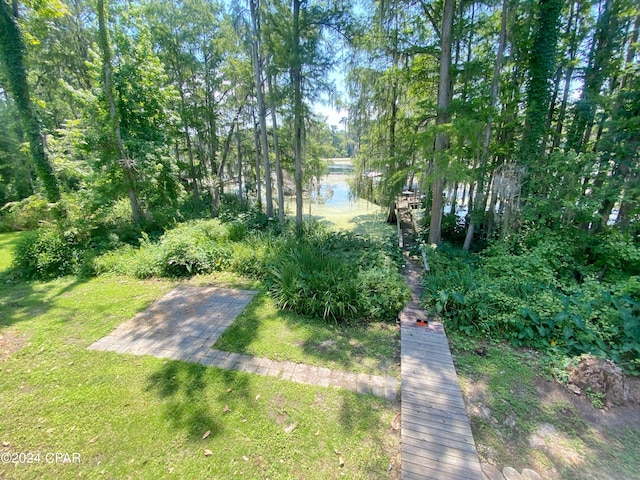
x,y
433,391
430,379
432,353
437,442
433,400
428,375
443,446
463,462
438,434
435,451
437,413
435,359
426,337
421,336
435,472
435,356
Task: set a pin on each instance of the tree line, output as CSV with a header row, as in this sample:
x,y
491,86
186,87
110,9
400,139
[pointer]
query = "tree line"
x,y
524,112
519,112
165,103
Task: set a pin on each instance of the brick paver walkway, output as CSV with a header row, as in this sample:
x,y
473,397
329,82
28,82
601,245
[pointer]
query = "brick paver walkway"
x,y
186,322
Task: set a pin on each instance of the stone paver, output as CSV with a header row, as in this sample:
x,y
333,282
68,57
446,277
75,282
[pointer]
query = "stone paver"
x,y
186,322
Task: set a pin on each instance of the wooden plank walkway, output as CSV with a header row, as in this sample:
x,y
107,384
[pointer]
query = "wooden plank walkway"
x,y
437,442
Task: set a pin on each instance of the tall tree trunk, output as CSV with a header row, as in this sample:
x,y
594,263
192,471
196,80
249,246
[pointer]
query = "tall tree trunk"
x,y
218,180
126,163
298,122
563,107
239,145
262,115
256,140
443,116
276,149
187,139
604,44
13,50
552,109
212,143
542,62
495,89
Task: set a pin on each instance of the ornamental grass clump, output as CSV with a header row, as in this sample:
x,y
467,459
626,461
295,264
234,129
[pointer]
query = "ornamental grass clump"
x,y
331,276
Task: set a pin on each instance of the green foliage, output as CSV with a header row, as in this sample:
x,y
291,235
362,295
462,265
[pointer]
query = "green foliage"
x,y
195,247
243,217
48,253
25,214
13,52
529,291
190,248
335,276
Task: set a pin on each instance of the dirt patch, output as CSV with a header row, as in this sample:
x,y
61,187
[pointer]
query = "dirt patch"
x,y
10,342
551,392
563,437
602,378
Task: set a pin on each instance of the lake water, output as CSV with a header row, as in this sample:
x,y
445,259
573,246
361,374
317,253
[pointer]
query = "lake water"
x,y
333,202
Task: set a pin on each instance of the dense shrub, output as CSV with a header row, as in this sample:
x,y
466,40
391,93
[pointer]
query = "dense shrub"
x,y
335,276
248,257
143,262
48,253
194,247
27,214
527,292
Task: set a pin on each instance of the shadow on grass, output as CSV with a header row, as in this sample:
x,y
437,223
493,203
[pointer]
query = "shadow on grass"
x,y
182,386
373,346
22,300
372,226
264,330
190,392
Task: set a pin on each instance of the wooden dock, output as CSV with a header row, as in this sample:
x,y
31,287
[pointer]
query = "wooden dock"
x,y
437,442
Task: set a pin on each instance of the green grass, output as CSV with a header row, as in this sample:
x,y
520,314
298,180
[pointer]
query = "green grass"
x,y
8,242
504,382
143,417
263,330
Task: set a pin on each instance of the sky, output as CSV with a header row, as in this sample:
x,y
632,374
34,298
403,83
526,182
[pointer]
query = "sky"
x,y
332,115
330,112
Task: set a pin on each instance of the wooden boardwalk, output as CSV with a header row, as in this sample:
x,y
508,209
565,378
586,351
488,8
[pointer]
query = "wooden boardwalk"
x,y
436,437
437,442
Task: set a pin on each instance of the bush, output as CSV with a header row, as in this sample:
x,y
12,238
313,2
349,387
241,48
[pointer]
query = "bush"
x,y
523,291
331,276
143,262
248,257
194,247
48,253
382,292
26,214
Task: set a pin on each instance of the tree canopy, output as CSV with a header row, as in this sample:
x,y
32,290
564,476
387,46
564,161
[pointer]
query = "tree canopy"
x,y
511,112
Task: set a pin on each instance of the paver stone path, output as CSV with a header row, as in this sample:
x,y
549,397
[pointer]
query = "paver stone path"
x,y
186,322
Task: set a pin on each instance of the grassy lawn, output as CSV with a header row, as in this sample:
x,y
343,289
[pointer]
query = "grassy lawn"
x,y
522,419
263,330
143,417
8,242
